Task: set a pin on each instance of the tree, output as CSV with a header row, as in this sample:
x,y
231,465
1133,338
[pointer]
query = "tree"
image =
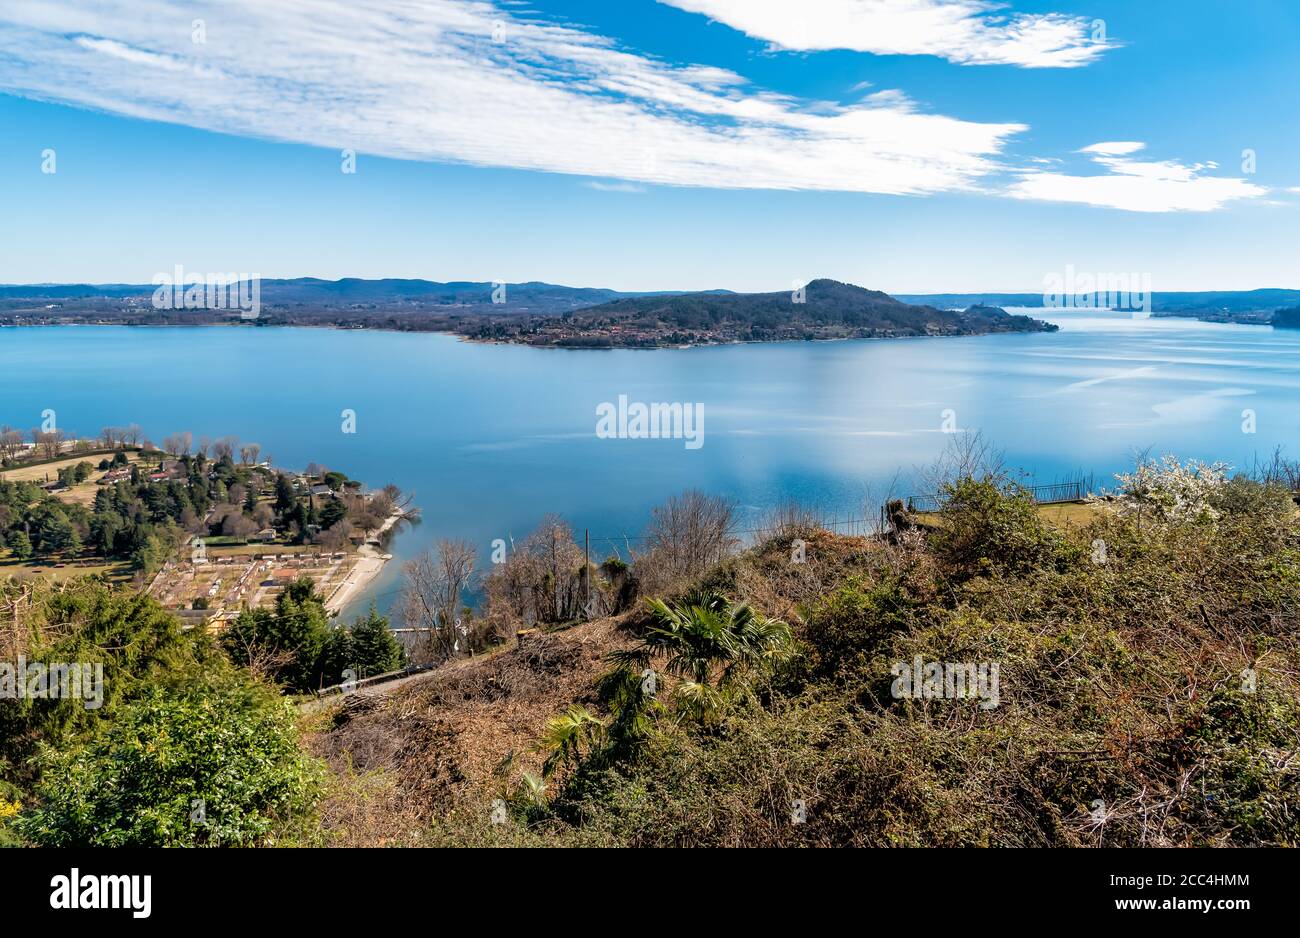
x,y
718,648
367,647
237,524
21,545
335,537
149,554
11,442
332,512
178,444
286,499
287,643
224,448
225,748
688,535
431,594
49,442
987,524
566,736
249,452
53,532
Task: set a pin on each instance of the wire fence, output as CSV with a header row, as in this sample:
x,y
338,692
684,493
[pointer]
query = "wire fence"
x,y
1054,493
1042,494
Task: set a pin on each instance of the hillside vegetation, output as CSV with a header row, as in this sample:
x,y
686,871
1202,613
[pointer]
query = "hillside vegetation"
x,y
1147,693
824,309
1130,678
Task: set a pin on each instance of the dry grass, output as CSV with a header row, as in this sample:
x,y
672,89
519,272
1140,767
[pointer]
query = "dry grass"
x,y
1060,514
50,470
404,759
119,571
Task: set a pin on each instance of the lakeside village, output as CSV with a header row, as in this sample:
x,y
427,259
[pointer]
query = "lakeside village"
x,y
208,528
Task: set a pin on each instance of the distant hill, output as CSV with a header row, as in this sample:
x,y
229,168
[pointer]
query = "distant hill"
x,y
826,309
532,313
352,291
1214,305
1287,318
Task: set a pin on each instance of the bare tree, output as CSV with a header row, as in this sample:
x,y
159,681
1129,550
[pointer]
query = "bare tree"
x,y
49,442
237,524
11,442
968,454
542,580
110,436
335,537
688,535
224,448
431,596
1277,471
178,444
131,434
264,515
249,452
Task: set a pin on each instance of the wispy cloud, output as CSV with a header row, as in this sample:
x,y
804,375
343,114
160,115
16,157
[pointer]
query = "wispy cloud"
x,y
613,186
969,32
1137,185
427,79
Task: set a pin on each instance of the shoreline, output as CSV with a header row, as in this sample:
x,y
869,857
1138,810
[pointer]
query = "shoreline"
x,y
371,563
470,340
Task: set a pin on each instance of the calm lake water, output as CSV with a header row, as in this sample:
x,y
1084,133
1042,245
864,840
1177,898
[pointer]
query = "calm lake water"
x,y
490,438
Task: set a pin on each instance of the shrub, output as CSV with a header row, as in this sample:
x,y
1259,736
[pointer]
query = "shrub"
x,y
215,762
987,525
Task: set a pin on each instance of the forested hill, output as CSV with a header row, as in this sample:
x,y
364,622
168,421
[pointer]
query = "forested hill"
x,y
529,313
826,309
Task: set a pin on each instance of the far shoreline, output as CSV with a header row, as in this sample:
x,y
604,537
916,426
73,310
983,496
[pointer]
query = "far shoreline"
x,y
330,327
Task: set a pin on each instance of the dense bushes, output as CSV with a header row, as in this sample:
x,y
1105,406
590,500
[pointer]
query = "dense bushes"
x,y
174,747
211,762
1145,694
295,645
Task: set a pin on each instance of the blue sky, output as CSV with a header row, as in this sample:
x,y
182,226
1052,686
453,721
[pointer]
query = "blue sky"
x,y
906,145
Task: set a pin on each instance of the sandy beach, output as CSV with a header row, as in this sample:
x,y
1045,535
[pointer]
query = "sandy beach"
x,y
371,562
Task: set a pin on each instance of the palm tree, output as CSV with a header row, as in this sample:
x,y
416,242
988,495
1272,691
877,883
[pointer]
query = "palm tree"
x,y
714,645
565,737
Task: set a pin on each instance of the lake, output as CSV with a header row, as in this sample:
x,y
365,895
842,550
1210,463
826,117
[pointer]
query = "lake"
x,y
490,438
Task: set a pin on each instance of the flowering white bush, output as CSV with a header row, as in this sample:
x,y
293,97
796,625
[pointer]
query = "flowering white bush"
x,y
1171,490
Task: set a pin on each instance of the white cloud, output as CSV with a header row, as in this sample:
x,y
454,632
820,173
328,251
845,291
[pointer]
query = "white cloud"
x,y
613,186
1114,149
970,32
424,79
1135,185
